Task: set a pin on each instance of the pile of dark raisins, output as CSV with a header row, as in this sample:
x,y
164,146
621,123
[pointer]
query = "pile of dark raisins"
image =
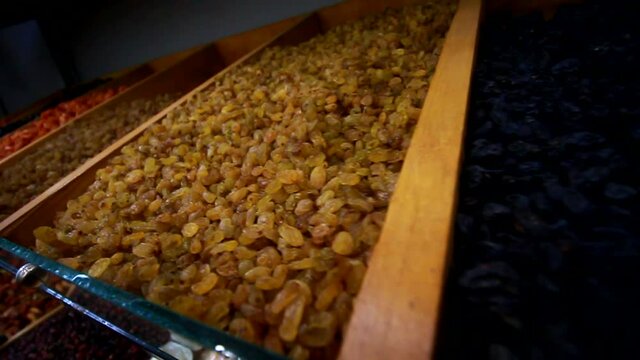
x,y
547,237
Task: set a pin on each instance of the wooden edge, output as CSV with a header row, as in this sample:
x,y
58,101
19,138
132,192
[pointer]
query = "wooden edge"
x,y
396,313
31,326
167,61
16,219
158,64
231,47
131,77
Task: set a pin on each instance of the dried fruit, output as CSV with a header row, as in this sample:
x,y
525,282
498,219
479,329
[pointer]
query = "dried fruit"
x,y
343,243
99,267
291,235
190,229
291,320
205,285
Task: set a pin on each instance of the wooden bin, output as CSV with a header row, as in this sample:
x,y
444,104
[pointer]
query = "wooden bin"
x,y
396,312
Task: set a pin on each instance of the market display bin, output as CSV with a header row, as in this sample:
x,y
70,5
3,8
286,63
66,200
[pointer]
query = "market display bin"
x,y
396,311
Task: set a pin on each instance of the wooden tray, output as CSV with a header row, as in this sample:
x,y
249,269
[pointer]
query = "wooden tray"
x,y
396,312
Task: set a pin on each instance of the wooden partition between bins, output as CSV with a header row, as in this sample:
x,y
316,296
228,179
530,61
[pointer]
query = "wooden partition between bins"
x,y
396,312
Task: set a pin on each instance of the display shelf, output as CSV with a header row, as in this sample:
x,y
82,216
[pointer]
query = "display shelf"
x,y
397,309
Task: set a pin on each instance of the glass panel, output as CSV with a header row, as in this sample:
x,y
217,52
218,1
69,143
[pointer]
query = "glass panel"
x,y
204,335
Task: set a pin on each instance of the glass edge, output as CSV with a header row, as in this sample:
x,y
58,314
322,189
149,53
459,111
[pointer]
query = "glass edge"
x,y
205,335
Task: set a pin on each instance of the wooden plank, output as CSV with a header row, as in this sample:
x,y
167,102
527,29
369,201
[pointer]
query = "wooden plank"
x,y
161,63
42,209
169,60
396,313
230,48
130,77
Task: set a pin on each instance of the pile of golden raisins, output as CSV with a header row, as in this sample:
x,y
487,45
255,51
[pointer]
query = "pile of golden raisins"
x,y
255,206
66,150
